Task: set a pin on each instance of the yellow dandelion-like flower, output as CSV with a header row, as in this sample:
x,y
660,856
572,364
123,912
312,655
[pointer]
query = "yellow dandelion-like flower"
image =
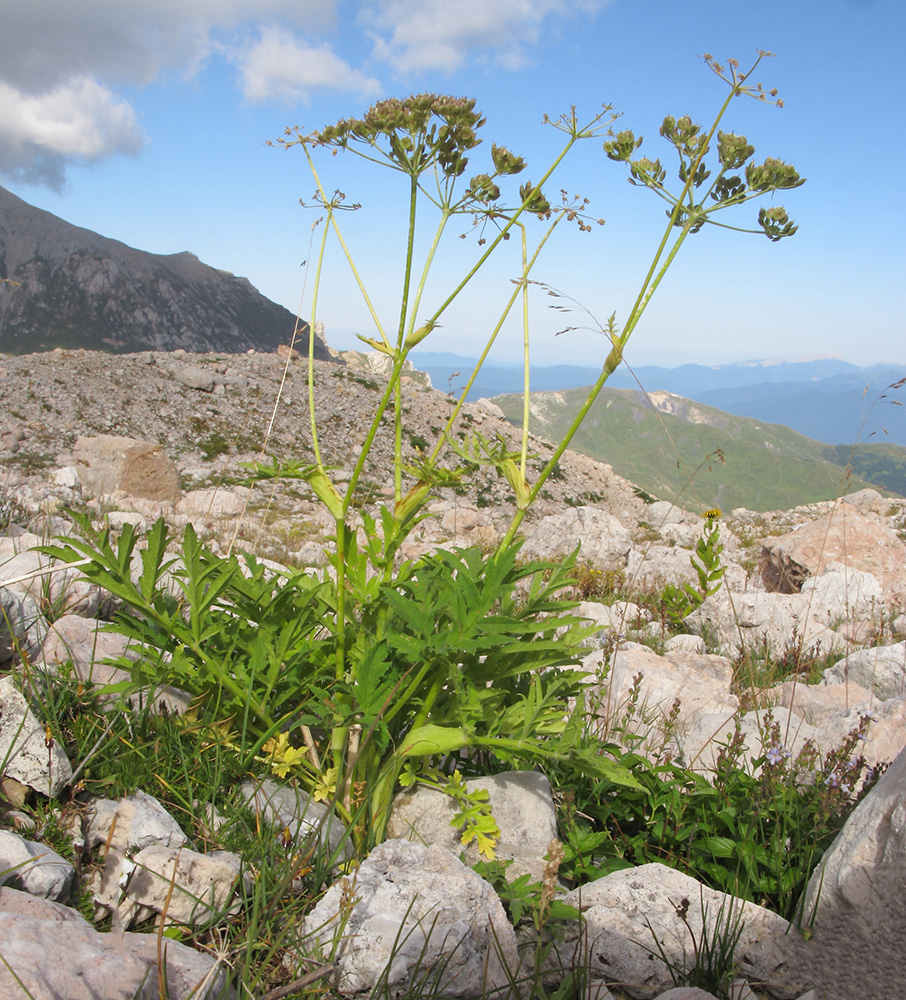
x,y
713,514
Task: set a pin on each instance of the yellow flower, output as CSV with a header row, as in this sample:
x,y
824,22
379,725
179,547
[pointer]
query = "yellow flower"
x,y
281,756
712,515
326,786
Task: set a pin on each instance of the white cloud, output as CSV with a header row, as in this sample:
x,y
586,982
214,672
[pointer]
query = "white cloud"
x,y
61,63
279,65
437,34
79,120
44,42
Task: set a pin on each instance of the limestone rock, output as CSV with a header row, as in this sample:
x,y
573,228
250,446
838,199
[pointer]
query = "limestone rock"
x,y
136,822
605,542
184,886
882,669
755,621
194,377
24,754
701,683
214,502
886,735
700,747
522,805
855,896
292,810
81,642
140,468
625,912
844,536
34,868
54,953
414,909
13,623
818,703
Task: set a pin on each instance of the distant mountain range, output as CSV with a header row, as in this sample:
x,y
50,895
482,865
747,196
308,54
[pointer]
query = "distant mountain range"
x,y
64,286
700,457
826,399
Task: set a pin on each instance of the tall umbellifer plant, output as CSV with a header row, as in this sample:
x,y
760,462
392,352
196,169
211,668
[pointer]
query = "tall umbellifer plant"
x,y
365,678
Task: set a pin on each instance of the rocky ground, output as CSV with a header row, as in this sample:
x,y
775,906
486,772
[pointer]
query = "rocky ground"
x,y
133,437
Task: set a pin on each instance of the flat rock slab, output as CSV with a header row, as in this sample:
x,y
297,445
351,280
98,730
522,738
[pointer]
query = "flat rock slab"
x,y
844,536
55,954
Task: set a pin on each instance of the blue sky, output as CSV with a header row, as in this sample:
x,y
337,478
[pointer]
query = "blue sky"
x,y
147,121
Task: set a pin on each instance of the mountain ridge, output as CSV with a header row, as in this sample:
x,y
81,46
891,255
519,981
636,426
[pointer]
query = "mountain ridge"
x,y
826,399
69,287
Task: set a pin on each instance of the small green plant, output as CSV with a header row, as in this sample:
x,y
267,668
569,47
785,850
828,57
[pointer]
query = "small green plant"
x,y
214,445
714,948
754,829
680,602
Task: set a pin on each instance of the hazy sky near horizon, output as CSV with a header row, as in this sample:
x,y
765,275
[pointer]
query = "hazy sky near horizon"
x,y
147,120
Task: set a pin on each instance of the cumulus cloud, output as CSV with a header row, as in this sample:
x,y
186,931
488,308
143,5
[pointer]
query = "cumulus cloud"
x,y
78,120
280,65
436,34
61,64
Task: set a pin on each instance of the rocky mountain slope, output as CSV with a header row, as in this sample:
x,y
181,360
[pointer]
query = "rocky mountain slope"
x,y
834,584
211,412
63,286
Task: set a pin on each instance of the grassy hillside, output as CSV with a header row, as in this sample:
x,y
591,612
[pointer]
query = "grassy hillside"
x,y
698,456
882,463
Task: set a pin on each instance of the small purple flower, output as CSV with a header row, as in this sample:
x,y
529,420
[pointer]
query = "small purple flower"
x,y
831,780
775,755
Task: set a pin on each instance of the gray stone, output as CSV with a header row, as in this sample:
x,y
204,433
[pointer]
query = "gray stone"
x,y
605,542
855,898
193,376
756,621
627,911
294,811
700,747
134,822
181,885
214,502
24,753
521,803
53,953
844,536
411,909
34,868
843,593
881,669
685,644
701,683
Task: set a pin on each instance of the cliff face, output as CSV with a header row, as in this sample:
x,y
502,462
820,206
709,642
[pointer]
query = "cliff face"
x,y
76,289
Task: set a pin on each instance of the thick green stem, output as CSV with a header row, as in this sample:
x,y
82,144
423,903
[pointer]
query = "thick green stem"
x,y
526,373
401,340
